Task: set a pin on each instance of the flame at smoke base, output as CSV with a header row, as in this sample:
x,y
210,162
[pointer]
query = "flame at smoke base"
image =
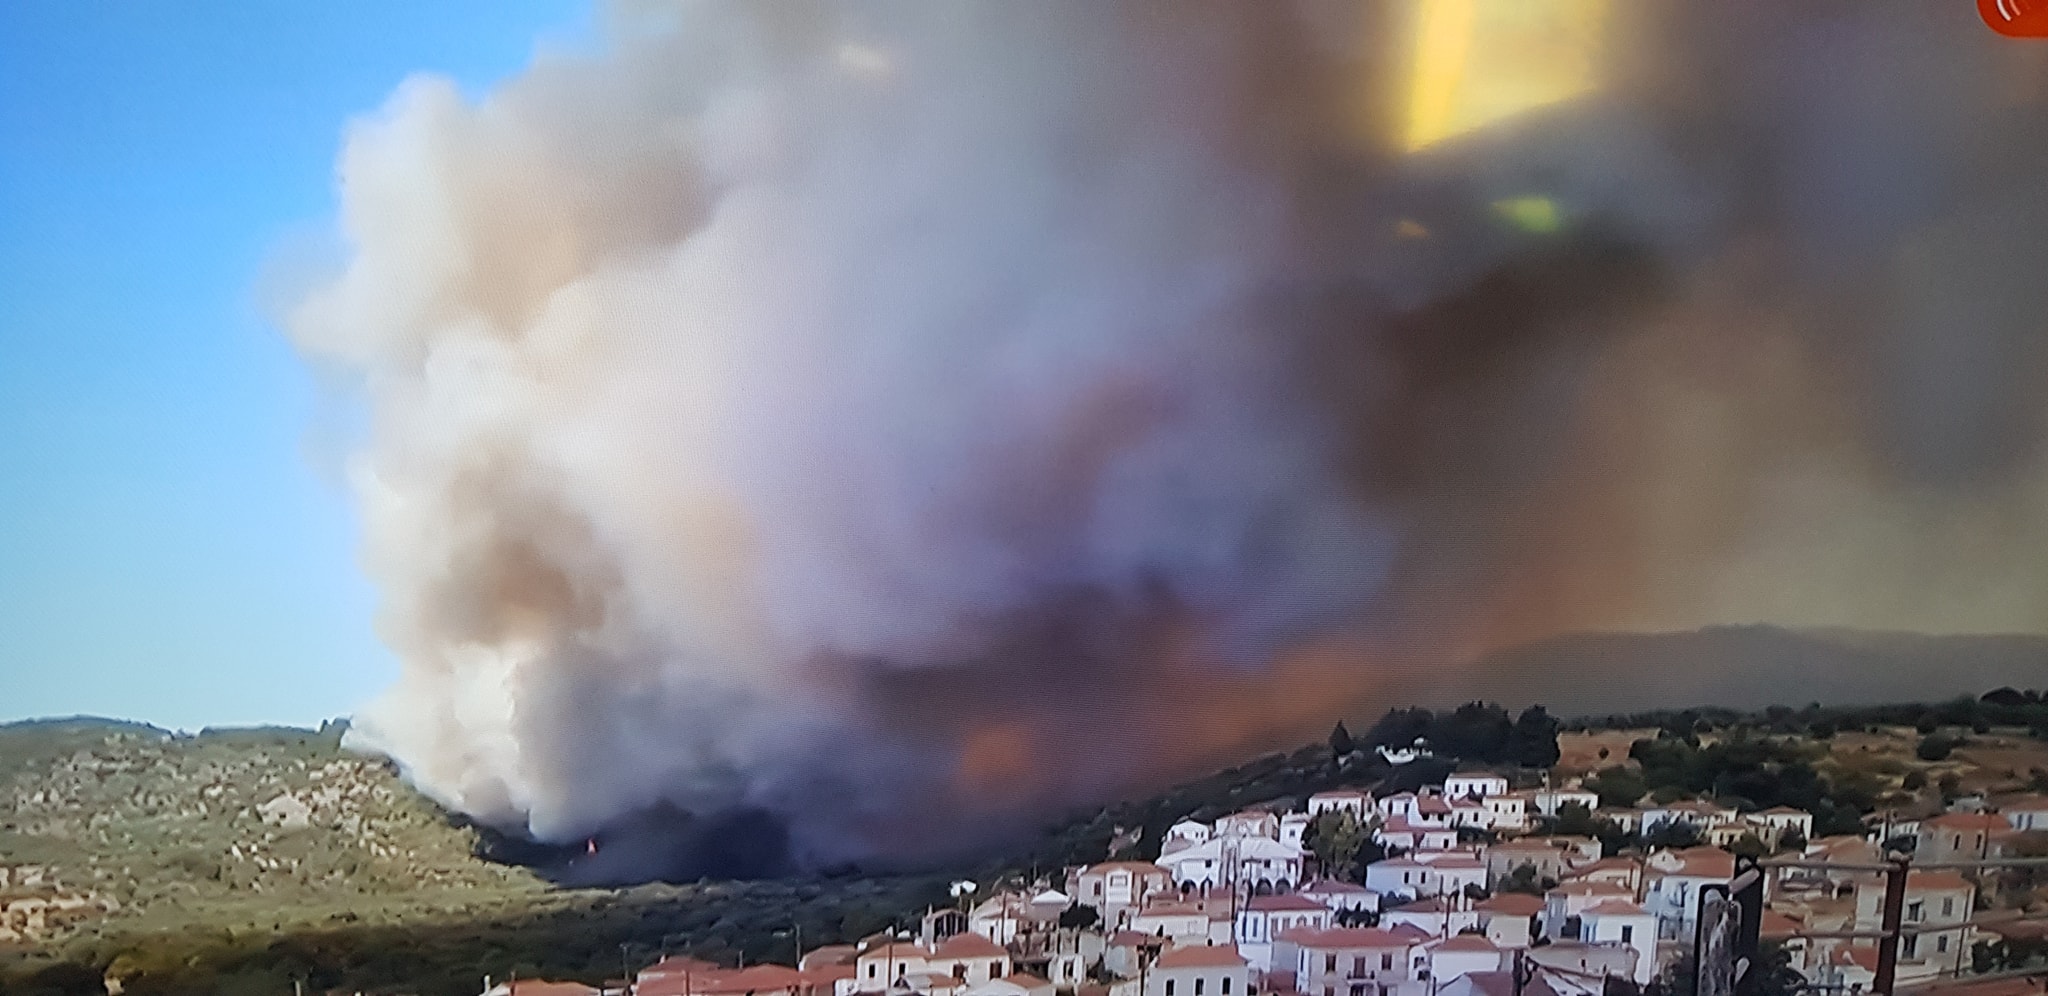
x,y
860,416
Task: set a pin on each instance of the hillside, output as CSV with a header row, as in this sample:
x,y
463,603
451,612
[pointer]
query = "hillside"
x,y
1747,667
239,860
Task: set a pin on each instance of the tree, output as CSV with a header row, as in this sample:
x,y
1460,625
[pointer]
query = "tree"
x,y
1673,833
1525,879
1335,837
1914,781
1574,819
1934,747
1532,743
1079,917
1340,741
1617,787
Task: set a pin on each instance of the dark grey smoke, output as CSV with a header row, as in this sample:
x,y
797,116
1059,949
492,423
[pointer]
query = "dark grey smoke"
x,y
893,419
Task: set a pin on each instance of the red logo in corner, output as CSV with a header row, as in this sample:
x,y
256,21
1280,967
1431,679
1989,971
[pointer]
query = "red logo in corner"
x,y
2016,18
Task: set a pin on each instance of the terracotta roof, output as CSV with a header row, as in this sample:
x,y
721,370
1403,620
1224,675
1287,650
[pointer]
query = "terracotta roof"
x,y
1331,885
830,954
1027,980
1784,811
1216,956
1467,942
1144,867
1700,862
1434,904
1777,925
1936,881
1131,939
968,945
1502,983
1512,904
1284,902
1968,821
538,987
1349,937
1408,932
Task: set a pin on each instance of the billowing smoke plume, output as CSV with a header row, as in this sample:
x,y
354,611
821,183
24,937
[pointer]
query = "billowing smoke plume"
x,y
894,418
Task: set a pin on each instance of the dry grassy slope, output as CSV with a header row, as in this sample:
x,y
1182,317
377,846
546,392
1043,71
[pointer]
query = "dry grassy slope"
x,y
173,829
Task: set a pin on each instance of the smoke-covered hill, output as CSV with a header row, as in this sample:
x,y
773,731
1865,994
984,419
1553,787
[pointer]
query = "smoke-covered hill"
x,y
1749,667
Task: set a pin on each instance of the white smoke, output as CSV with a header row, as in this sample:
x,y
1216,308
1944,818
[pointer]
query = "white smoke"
x,y
767,344
880,414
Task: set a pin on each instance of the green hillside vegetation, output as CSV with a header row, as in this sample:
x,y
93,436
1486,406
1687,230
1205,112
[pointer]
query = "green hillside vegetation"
x,y
214,885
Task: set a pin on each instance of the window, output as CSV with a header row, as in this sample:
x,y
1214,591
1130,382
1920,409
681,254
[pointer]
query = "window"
x,y
1913,911
1358,965
1169,987
1198,985
1941,943
1329,963
872,967
1948,906
1226,985
995,968
1628,933
1386,962
1910,948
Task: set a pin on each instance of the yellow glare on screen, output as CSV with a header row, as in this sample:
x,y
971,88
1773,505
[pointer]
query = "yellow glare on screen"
x,y
1476,62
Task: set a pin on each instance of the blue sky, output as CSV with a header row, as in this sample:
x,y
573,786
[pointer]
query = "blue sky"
x,y
169,550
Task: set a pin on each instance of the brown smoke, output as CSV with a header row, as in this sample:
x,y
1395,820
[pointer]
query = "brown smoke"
x,y
896,417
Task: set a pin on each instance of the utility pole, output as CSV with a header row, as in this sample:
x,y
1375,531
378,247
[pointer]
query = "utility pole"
x,y
1894,915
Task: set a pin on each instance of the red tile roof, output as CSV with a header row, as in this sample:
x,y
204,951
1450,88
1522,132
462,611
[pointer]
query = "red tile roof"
x,y
968,945
1217,956
1348,937
1512,904
1467,942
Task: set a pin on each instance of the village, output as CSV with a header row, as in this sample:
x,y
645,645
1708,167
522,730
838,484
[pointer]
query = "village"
x,y
1475,892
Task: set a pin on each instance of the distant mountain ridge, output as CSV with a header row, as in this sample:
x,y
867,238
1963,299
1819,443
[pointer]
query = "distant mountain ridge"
x,y
1751,666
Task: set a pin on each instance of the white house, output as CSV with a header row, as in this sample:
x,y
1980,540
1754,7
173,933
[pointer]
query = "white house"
x,y
1399,804
1255,864
1426,873
1261,918
1549,802
1475,785
1509,811
1357,803
1508,919
1461,955
1402,834
1674,879
1437,916
1117,888
1249,823
1294,829
1779,822
1179,920
1186,833
2026,813
1332,962
1340,896
1563,905
1198,970
1614,921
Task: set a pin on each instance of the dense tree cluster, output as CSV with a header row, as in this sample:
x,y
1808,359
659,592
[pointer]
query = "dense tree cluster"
x,y
1481,732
